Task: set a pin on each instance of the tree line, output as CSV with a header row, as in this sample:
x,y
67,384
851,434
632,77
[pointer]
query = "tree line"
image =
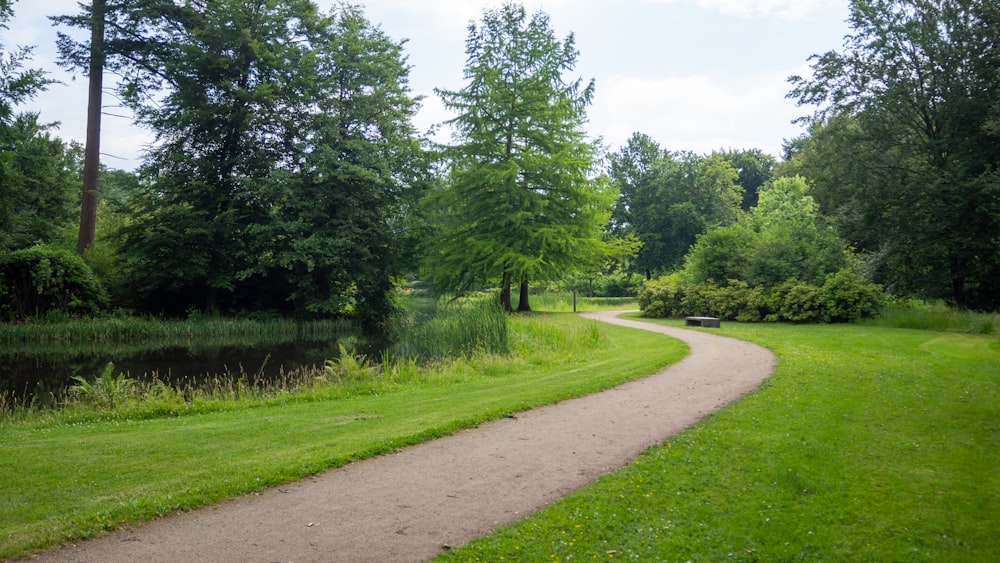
x,y
286,175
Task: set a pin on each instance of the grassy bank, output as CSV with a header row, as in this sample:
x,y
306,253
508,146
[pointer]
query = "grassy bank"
x,y
868,444
66,478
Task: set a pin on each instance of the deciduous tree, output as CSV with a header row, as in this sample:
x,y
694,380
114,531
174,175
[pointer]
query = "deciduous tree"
x,y
520,202
905,111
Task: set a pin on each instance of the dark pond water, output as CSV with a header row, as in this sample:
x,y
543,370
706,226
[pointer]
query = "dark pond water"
x,y
45,374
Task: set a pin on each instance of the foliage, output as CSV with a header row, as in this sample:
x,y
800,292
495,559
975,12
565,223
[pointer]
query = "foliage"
x,y
34,167
460,329
285,169
755,169
866,444
668,200
783,238
17,83
518,204
39,281
844,296
38,177
239,445
107,391
604,284
904,148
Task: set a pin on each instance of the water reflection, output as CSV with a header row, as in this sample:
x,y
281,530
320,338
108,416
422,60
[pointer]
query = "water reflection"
x,y
45,374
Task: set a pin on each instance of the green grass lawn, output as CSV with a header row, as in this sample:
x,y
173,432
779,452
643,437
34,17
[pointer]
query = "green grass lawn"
x,y
66,477
868,444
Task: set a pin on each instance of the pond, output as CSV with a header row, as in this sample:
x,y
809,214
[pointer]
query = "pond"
x,y
44,374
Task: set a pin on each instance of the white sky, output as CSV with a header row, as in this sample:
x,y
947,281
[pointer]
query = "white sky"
x,y
695,75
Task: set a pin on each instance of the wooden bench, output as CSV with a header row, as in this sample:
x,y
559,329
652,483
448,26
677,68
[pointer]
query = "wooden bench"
x,y
707,322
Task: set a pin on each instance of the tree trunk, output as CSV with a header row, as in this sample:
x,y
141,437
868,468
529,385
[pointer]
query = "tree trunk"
x,y
522,304
92,151
505,293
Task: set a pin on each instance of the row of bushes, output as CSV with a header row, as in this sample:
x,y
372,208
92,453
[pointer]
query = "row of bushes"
x,y
845,296
38,282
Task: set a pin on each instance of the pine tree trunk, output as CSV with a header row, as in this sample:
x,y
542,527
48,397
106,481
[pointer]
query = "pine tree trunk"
x,y
92,151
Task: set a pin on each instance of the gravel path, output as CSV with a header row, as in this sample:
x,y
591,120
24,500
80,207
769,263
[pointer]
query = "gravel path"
x,y
412,505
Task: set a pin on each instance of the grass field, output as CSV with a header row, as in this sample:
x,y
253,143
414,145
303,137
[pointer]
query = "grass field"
x,y
71,475
868,444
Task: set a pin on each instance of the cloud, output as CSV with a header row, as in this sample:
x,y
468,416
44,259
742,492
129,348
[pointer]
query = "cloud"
x,y
452,14
696,113
786,9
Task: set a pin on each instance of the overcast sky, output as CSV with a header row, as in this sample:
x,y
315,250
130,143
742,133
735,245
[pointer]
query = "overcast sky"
x,y
695,75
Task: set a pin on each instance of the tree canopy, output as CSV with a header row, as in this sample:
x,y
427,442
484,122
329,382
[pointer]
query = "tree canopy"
x,y
666,200
904,148
519,202
782,238
283,162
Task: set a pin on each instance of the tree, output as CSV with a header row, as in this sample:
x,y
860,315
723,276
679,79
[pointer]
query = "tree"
x,y
755,169
17,84
284,161
116,29
343,224
667,200
519,203
913,96
38,182
33,166
94,18
783,238
633,170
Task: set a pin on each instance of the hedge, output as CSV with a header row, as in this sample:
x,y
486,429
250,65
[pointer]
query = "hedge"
x,y
845,296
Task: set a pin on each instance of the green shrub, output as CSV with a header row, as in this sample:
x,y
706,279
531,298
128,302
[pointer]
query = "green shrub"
x,y
661,298
42,282
850,297
845,296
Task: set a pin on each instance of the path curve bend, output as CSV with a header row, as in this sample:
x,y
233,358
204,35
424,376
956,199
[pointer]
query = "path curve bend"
x,y
411,505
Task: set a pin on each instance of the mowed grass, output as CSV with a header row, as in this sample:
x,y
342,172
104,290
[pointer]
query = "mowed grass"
x,y
63,479
868,444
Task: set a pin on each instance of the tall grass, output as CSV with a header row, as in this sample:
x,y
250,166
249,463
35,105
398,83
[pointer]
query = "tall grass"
x,y
466,329
937,316
459,329
139,329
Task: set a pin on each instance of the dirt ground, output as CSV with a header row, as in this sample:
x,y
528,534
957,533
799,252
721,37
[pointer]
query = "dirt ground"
x,y
423,500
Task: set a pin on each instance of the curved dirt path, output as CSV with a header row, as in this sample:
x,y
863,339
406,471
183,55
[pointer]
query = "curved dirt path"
x,y
412,505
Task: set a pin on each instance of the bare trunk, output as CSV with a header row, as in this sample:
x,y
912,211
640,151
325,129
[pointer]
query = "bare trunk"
x,y
92,151
522,304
